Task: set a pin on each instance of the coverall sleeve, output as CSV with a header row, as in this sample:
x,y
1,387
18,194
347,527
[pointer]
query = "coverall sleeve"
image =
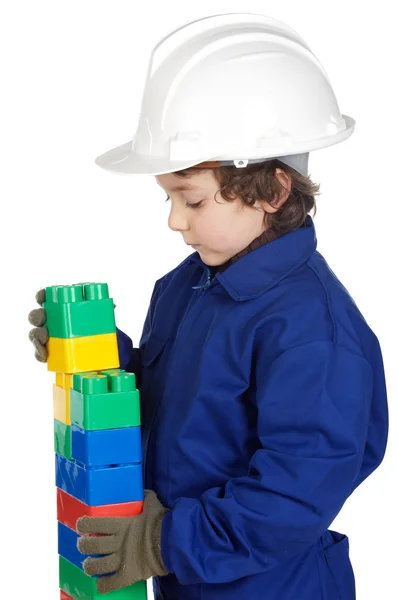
x,y
313,406
130,358
125,348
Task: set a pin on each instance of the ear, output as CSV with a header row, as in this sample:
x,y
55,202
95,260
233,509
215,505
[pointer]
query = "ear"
x,y
286,181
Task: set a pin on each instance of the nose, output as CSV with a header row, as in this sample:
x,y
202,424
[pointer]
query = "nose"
x,y
177,220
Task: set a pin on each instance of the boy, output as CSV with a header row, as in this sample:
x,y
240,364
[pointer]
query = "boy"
x,y
263,391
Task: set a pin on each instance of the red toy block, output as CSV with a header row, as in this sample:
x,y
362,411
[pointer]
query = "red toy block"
x,y
69,509
65,596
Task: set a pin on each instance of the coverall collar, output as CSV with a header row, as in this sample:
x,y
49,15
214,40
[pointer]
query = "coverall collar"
x,y
257,271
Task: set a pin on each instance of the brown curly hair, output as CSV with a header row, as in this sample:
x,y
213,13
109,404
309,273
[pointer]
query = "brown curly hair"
x,y
257,182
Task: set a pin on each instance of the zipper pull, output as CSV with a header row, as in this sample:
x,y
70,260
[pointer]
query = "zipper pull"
x,y
205,285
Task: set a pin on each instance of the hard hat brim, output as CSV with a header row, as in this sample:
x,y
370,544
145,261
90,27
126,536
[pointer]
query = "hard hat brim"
x,y
125,161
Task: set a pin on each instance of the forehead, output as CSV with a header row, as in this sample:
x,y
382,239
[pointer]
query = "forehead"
x,y
171,183
181,187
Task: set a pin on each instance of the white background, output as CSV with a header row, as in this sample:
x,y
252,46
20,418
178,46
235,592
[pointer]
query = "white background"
x,y
72,75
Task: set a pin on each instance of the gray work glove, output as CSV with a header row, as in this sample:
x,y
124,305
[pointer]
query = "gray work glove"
x,y
39,335
131,545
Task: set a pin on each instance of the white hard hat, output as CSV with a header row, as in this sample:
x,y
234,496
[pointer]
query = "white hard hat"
x,y
232,88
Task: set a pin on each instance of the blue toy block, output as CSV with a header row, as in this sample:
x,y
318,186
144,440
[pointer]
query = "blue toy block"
x,y
106,446
67,546
97,486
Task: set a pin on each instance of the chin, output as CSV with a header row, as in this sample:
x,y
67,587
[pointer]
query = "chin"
x,y
210,261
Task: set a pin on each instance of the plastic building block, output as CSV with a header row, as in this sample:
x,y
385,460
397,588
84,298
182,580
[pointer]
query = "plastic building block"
x,y
87,353
106,401
61,404
79,310
106,446
105,372
61,396
97,434
65,380
70,509
62,439
67,546
98,485
81,586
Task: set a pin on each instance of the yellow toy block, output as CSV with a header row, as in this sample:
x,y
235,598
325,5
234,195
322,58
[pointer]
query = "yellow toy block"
x,y
87,353
61,404
64,380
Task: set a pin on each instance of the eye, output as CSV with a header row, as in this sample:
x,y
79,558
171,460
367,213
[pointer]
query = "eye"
x,y
196,205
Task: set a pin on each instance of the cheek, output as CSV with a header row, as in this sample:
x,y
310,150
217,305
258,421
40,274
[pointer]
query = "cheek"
x,y
215,229
222,225
207,223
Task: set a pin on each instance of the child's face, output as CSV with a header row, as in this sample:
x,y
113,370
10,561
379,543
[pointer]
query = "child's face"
x,y
221,229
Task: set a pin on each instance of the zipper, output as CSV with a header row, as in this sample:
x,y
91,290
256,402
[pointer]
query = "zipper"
x,y
203,287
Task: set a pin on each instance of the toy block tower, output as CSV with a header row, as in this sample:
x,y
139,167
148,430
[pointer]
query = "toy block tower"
x,y
97,428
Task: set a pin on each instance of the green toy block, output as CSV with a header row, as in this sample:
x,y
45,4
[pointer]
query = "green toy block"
x,y
79,310
62,439
108,400
79,585
108,372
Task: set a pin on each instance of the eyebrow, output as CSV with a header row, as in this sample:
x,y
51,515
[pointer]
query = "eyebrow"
x,y
181,188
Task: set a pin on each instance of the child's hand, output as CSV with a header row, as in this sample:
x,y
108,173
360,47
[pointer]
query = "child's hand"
x,y
132,545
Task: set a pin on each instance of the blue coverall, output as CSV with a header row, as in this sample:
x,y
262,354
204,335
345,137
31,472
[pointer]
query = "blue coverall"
x,y
263,406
